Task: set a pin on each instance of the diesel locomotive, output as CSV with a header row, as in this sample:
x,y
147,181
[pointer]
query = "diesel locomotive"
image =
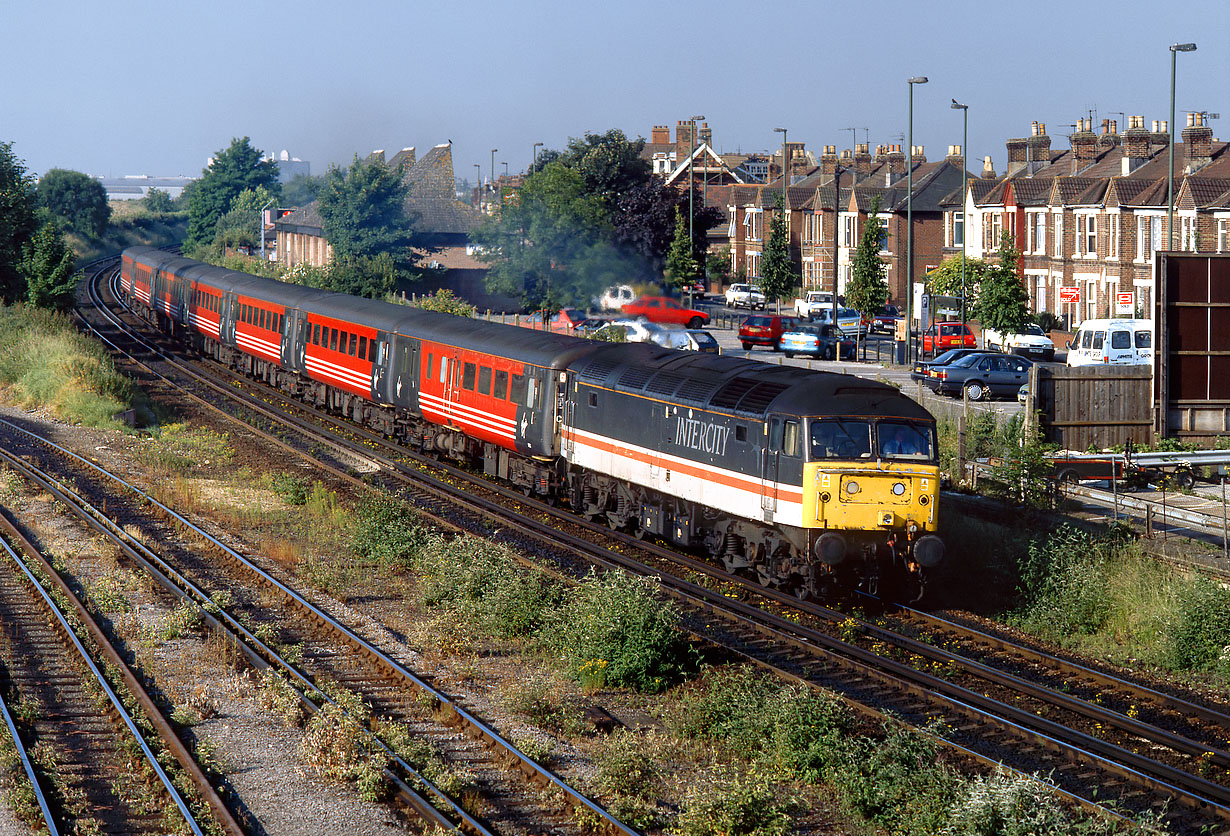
x,y
810,481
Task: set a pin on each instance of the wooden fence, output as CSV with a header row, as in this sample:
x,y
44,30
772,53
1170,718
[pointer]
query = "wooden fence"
x,y
1092,406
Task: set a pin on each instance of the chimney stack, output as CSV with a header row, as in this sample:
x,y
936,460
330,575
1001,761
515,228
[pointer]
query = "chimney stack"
x,y
988,169
661,135
1084,145
1197,142
828,160
1109,138
1135,144
895,158
862,159
956,156
1161,135
1039,145
683,140
706,134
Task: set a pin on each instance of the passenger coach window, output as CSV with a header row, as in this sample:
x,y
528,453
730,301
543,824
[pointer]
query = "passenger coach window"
x,y
484,380
333,339
499,388
443,369
354,341
362,348
516,392
467,376
316,333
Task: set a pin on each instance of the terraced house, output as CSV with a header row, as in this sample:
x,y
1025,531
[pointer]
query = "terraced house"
x,y
1091,217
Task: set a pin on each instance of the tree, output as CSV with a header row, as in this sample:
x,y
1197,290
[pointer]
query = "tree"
x,y
48,267
1003,303
301,190
233,169
717,266
18,202
778,277
610,163
945,280
157,202
77,199
242,223
867,291
644,223
681,268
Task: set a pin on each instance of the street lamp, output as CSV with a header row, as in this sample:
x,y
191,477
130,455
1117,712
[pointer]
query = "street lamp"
x,y
262,225
691,183
534,154
785,165
1174,50
478,186
505,169
964,186
909,226
493,150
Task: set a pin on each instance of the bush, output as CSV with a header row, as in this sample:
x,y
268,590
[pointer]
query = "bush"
x,y
386,533
1199,635
293,489
1064,585
620,619
1007,804
738,805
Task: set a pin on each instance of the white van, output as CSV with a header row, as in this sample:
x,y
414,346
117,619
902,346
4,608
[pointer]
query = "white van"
x,y
1123,342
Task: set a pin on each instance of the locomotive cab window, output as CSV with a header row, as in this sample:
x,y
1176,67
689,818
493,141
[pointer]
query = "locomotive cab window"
x,y
901,440
840,439
790,438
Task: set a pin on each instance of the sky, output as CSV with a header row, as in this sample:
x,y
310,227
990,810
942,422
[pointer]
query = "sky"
x,y
125,87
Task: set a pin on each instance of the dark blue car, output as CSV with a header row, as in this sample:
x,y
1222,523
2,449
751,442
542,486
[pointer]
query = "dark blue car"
x,y
982,375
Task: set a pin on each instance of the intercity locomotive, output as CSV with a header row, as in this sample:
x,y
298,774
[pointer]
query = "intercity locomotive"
x,y
810,481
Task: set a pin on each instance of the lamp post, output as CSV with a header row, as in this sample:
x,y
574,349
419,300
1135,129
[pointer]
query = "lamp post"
x,y
1175,49
505,168
785,165
691,154
271,201
493,150
478,186
964,186
534,154
909,226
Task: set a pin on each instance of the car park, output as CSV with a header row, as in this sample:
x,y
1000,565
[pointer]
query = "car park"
x,y
816,341
923,369
1031,342
942,336
982,375
663,310
764,329
702,341
748,296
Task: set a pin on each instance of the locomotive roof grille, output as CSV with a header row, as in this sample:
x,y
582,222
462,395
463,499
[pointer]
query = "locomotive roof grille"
x,y
599,369
728,396
758,399
665,383
635,378
696,390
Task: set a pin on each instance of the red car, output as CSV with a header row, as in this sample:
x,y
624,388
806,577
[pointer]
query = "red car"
x,y
765,329
666,310
942,336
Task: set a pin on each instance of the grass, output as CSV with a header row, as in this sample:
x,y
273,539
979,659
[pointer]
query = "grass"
x,y
45,363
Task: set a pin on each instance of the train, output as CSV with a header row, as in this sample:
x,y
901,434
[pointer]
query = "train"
x,y
809,481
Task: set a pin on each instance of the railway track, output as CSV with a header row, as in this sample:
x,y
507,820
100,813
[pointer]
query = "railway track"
x,y
1088,763
96,768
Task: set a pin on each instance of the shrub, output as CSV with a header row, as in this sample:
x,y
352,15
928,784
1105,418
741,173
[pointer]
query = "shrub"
x,y
626,767
619,619
1064,585
738,805
386,532
1199,634
293,489
1006,804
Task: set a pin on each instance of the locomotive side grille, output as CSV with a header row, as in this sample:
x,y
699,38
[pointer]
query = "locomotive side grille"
x,y
635,378
665,383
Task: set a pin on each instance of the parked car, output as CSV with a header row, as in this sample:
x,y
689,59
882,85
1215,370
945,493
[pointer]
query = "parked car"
x,y
643,331
923,369
702,341
765,329
1022,394
563,321
696,290
1031,342
849,321
809,305
982,375
614,298
886,320
1125,342
663,309
817,341
942,336
748,296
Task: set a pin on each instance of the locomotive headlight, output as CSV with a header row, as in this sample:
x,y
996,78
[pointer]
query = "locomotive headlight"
x,y
898,488
852,487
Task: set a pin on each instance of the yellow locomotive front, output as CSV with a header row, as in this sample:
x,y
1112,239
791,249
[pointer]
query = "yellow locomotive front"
x,y
870,491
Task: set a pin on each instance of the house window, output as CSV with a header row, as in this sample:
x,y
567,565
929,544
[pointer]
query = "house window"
x,y
995,225
753,264
1112,236
1059,236
958,229
1222,232
730,230
1091,235
1187,231
848,230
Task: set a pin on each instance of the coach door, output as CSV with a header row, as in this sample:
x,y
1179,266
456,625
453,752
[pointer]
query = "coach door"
x,y
770,460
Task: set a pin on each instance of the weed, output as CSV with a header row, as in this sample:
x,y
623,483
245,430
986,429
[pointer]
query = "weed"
x,y
107,593
733,805
625,766
293,489
180,621
1006,804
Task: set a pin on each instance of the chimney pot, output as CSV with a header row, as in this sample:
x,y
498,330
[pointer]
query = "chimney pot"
x,y
1114,126
1155,126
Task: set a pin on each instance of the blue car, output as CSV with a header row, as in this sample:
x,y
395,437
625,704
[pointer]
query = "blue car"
x,y
816,341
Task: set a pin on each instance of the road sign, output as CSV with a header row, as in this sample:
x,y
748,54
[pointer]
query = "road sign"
x,y
1125,303
1070,295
